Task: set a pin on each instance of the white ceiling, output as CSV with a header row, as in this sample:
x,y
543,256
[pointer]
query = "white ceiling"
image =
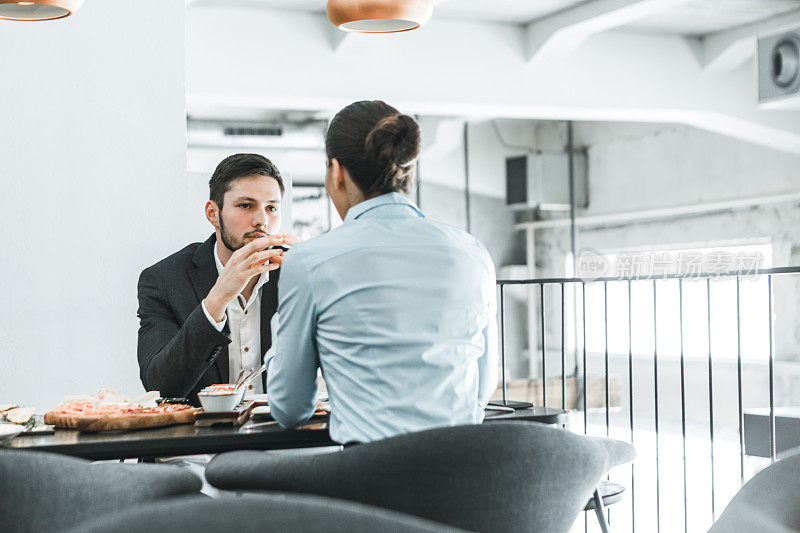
x,y
549,60
700,17
691,17
517,11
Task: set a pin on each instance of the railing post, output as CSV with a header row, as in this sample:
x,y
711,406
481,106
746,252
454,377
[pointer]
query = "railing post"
x,y
683,407
630,404
544,352
655,386
711,400
503,345
772,444
739,378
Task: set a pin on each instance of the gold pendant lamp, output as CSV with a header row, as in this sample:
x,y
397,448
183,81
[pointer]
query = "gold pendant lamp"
x,y
379,16
38,9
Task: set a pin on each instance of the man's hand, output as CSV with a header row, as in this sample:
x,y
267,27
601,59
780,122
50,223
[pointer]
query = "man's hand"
x,y
290,239
247,262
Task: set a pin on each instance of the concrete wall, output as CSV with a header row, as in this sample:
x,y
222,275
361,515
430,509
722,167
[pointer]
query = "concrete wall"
x,y
643,166
646,166
92,144
443,179
636,167
492,222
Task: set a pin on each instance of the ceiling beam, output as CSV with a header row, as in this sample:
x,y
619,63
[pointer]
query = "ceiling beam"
x,y
727,50
563,32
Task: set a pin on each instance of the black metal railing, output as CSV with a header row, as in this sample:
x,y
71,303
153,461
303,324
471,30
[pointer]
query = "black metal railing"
x,y
580,373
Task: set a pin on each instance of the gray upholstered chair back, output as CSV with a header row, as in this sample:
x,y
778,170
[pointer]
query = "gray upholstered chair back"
x,y
768,503
44,492
287,513
493,477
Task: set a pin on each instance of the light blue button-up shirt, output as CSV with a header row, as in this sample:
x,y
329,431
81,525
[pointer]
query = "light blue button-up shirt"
x,y
398,312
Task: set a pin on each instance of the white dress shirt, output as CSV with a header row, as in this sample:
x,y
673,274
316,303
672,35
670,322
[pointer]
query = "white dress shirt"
x,y
399,313
244,351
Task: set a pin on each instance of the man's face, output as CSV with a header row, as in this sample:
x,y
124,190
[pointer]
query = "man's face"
x,y
250,209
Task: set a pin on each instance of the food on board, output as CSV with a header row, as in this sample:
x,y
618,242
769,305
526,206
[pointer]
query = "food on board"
x,y
218,390
106,410
20,415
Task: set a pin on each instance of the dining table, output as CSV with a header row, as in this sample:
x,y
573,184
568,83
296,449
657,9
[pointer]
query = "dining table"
x,y
191,439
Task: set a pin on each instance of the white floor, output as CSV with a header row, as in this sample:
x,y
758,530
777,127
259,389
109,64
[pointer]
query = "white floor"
x,y
666,514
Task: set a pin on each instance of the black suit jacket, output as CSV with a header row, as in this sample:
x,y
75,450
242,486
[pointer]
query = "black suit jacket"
x,y
179,351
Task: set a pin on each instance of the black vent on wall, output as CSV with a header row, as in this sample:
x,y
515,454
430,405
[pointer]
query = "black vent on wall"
x,y
274,131
516,180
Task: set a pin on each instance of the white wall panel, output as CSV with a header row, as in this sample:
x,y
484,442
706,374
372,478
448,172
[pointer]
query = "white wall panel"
x,y
93,173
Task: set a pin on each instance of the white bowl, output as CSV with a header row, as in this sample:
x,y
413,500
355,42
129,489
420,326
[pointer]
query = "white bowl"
x,y
220,402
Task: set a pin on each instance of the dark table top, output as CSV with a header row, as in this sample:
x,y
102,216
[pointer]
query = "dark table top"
x,y
758,433
190,439
543,415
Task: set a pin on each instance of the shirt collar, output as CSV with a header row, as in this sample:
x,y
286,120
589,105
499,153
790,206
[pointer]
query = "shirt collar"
x,y
263,278
391,198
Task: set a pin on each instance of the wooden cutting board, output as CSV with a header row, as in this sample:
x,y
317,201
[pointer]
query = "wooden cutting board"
x,y
117,422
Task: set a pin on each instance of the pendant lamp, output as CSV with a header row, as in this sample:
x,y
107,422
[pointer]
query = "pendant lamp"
x,y
38,9
379,16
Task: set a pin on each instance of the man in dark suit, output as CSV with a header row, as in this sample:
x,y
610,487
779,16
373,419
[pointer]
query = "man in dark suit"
x,y
205,310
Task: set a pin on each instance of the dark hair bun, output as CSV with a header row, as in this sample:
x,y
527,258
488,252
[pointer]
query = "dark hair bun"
x,y
393,145
393,141
377,145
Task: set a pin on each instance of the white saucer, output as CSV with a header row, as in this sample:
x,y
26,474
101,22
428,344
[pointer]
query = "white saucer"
x,y
256,397
9,430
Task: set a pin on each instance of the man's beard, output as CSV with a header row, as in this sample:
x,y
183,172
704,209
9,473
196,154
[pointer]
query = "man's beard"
x,y
229,239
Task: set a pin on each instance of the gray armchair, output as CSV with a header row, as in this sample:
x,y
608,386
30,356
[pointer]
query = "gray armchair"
x,y
768,503
287,513
44,492
495,477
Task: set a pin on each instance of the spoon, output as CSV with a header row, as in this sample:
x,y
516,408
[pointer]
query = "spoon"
x,y
252,375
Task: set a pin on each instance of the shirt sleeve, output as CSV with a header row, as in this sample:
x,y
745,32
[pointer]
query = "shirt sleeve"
x,y
219,325
487,363
292,371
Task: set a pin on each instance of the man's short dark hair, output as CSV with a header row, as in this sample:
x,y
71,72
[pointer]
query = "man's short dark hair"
x,y
236,167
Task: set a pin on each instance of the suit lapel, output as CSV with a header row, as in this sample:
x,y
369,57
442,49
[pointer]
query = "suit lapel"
x,y
269,305
203,278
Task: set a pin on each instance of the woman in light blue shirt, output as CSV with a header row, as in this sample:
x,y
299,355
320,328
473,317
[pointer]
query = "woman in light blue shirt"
x,y
397,311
